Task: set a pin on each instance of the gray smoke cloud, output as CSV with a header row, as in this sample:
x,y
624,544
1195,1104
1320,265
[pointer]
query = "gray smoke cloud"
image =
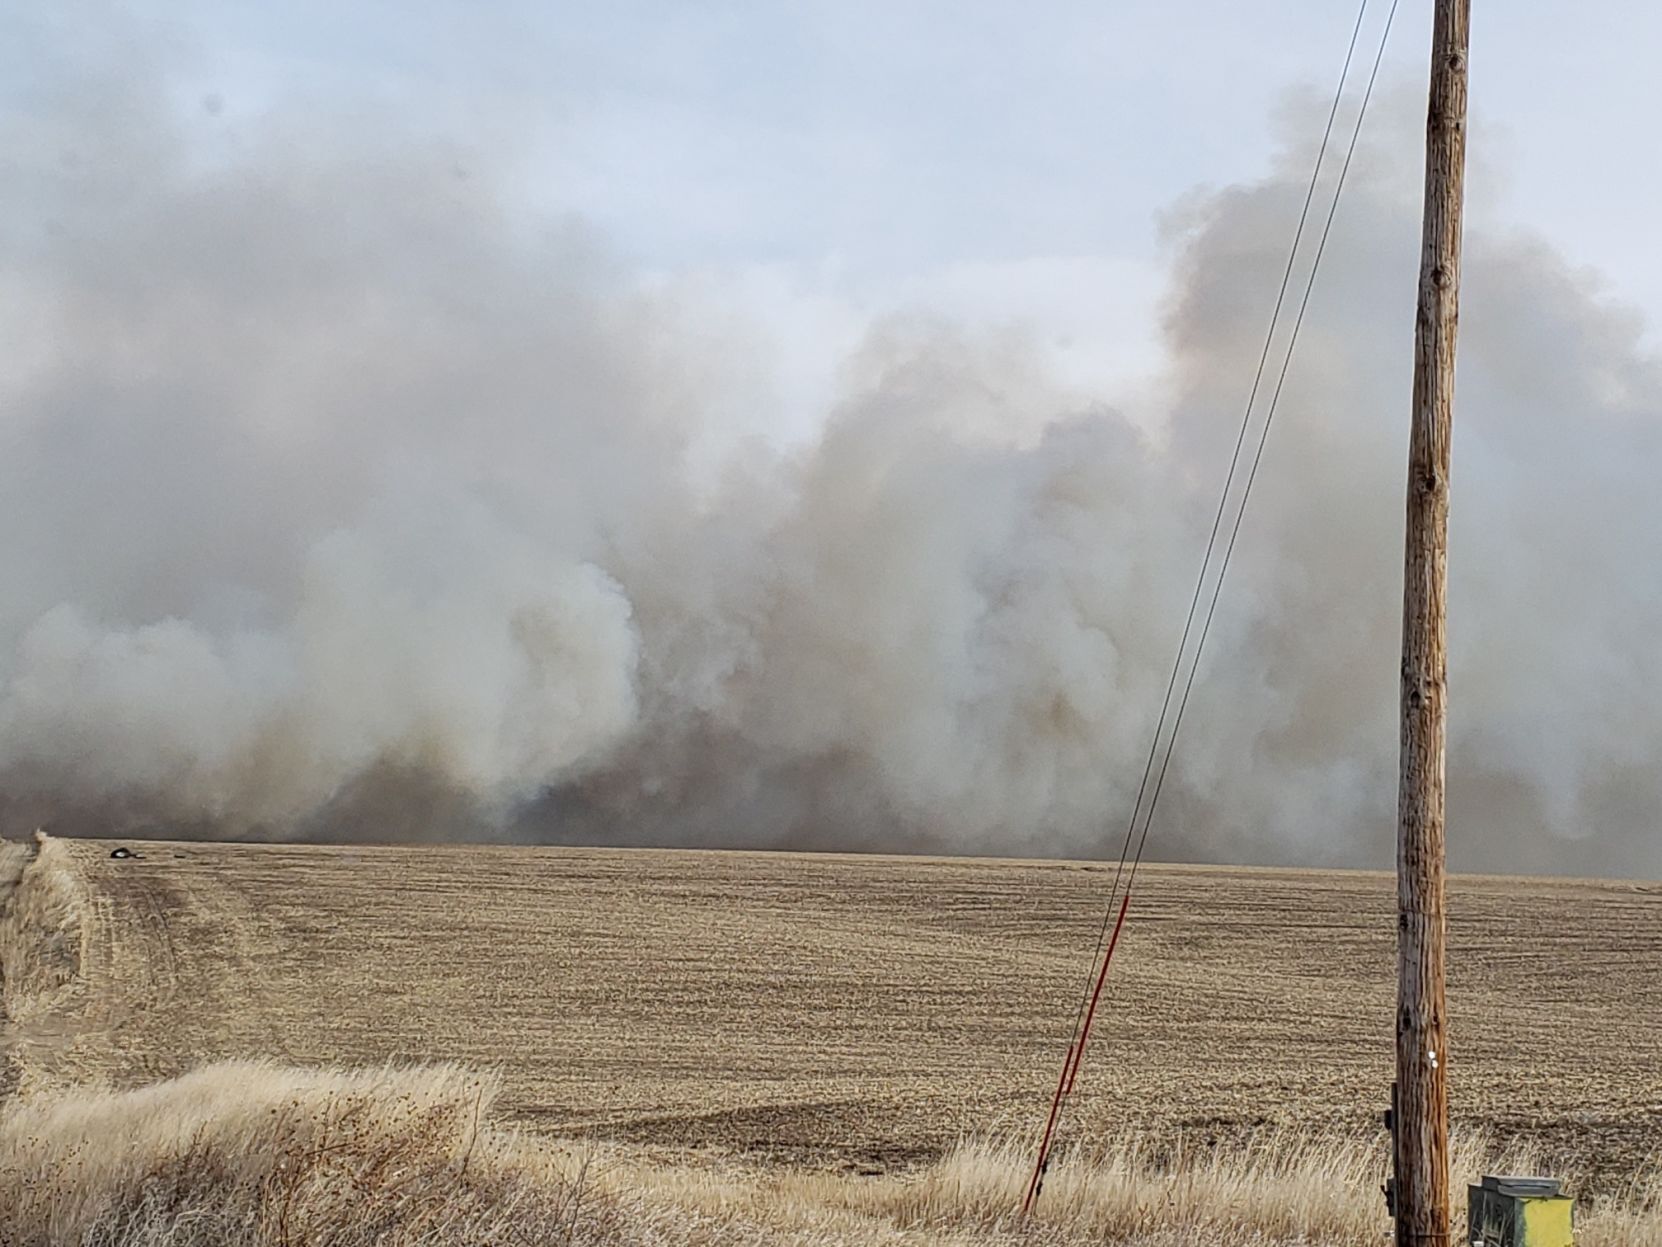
x,y
343,497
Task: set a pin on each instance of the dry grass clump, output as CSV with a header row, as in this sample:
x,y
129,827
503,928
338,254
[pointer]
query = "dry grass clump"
x,y
1630,1218
14,856
41,908
247,1155
1277,1187
1282,1189
250,1155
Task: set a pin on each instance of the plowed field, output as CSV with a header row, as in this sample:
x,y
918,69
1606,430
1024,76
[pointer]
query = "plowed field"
x,y
851,1010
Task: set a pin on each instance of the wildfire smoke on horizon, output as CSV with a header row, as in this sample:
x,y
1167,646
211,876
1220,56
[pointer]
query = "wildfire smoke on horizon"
x,y
342,498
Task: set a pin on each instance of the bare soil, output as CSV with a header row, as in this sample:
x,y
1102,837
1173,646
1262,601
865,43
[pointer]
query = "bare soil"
x,y
859,1011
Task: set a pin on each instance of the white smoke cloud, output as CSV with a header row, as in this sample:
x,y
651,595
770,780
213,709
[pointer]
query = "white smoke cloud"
x,y
342,499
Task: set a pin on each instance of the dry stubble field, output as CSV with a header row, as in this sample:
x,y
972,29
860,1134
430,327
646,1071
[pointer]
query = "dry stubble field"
x,y
854,1012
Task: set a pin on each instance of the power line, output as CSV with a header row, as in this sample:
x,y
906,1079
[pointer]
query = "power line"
x,y
1096,978
1263,437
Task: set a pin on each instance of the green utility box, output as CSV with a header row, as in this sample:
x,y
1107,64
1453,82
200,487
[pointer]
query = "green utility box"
x,y
1519,1212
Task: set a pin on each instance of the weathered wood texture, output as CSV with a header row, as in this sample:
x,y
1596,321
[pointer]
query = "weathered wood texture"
x,y
1422,1162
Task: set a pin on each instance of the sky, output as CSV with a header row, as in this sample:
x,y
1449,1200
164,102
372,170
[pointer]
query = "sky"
x,y
822,162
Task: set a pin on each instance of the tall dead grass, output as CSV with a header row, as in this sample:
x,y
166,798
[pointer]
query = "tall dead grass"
x,y
1280,1187
41,924
41,911
250,1155
247,1155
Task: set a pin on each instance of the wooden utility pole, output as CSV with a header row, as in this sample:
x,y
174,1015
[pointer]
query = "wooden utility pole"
x,y
1421,1110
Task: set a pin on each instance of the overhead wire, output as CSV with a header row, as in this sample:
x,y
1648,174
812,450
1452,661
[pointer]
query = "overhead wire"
x,y
1263,437
1118,904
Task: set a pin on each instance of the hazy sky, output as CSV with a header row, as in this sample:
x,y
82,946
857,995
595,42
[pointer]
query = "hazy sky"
x,y
821,161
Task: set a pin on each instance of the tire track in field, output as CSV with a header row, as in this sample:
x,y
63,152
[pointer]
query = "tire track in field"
x,y
866,1006
163,955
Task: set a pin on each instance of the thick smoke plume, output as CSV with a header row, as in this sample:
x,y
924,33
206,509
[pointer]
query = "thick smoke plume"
x,y
344,498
